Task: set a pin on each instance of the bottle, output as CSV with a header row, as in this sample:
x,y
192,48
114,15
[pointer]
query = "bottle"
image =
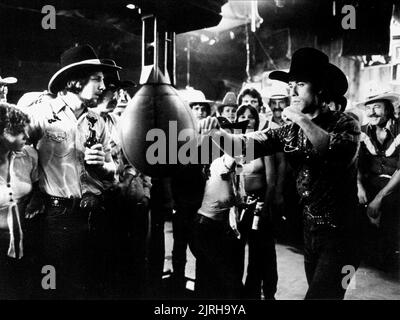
x,y
256,216
91,140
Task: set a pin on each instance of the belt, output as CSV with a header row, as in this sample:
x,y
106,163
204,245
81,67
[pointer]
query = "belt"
x,y
60,202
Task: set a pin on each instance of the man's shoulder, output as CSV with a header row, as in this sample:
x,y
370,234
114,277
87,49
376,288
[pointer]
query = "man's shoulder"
x,y
346,121
45,107
28,152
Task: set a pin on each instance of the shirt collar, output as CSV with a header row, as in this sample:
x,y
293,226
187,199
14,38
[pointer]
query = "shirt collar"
x,y
60,103
389,127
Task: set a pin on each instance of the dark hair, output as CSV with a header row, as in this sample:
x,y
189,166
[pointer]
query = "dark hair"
x,y
251,92
78,79
389,108
205,104
242,109
12,120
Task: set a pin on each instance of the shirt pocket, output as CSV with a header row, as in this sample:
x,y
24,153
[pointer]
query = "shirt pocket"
x,y
58,143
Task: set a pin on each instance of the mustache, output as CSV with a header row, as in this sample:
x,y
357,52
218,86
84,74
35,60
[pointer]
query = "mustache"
x,y
277,109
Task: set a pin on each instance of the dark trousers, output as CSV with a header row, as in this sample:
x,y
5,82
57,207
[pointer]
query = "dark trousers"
x,y
382,244
262,266
15,274
219,260
64,244
182,224
127,230
330,260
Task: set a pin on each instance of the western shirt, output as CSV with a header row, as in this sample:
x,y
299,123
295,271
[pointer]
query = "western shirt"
x,y
60,139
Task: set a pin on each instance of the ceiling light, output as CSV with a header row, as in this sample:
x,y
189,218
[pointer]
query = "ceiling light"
x,y
204,38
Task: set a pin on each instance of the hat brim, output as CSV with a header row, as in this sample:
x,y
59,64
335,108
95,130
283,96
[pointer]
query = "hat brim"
x,y
123,84
57,81
226,124
392,97
201,102
8,80
331,77
280,76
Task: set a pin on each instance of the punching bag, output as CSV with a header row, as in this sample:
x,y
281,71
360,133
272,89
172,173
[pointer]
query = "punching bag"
x,y
150,127
156,116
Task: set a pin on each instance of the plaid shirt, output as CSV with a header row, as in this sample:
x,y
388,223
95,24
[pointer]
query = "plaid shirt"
x,y
326,183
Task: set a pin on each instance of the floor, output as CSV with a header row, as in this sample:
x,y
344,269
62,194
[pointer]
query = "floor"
x,y
368,283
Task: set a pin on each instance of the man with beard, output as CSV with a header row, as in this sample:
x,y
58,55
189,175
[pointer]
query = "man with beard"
x,y
322,147
379,178
74,158
278,101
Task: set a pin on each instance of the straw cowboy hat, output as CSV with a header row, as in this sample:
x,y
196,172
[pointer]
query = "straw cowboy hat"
x,y
77,59
389,96
310,64
112,78
7,80
193,97
278,90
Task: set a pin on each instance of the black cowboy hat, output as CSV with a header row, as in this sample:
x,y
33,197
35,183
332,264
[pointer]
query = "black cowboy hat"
x,y
226,124
112,78
310,64
73,60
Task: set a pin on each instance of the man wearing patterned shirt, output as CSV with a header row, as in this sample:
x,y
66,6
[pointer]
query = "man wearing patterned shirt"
x,y
322,147
378,178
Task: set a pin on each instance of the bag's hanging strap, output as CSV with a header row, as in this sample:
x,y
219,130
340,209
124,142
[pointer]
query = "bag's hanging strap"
x,y
13,219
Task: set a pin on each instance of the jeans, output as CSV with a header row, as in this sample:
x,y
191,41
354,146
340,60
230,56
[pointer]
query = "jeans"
x,y
219,260
330,256
262,266
182,223
65,244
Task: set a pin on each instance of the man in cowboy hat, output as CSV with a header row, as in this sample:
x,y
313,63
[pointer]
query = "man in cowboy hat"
x,y
4,82
201,107
379,178
322,147
278,100
228,107
74,156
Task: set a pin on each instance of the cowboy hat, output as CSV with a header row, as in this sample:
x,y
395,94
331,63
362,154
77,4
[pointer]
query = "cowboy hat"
x,y
313,65
112,78
392,97
193,96
7,80
228,101
77,59
226,124
278,90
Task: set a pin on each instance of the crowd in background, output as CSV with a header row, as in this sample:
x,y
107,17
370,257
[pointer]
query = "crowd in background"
x,y
71,200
